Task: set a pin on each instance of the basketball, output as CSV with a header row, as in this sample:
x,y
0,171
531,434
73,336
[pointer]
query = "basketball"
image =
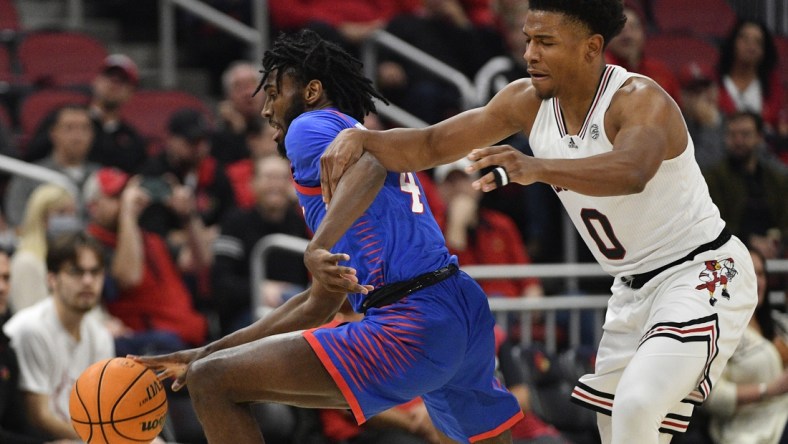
x,y
118,400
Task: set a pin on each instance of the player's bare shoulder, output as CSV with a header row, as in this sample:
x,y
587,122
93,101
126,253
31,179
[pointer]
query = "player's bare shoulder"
x,y
519,101
638,90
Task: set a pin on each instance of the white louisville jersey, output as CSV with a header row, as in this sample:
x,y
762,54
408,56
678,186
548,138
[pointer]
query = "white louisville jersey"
x,y
635,233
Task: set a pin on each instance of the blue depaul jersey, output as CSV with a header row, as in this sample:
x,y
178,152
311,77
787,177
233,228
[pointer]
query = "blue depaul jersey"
x,y
396,239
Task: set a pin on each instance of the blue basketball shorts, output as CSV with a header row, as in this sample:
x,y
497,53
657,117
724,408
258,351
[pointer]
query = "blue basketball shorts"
x,y
437,343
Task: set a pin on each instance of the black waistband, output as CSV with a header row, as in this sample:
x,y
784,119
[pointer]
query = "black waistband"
x,y
639,280
388,294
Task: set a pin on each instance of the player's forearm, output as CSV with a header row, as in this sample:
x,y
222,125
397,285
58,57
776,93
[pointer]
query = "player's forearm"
x,y
355,193
608,174
310,308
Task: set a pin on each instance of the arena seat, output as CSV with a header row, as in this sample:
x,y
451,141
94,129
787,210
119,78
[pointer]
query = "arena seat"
x,y
9,18
707,18
781,42
149,111
39,104
6,73
677,50
60,58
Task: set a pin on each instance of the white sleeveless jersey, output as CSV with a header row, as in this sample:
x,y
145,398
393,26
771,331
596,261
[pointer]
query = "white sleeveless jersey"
x,y
635,233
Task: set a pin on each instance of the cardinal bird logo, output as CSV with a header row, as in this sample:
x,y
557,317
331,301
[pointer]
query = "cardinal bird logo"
x,y
717,274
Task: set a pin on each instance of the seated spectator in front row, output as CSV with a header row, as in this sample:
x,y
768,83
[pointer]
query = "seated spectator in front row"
x,y
116,143
71,136
144,288
239,112
749,404
51,210
749,190
55,340
275,211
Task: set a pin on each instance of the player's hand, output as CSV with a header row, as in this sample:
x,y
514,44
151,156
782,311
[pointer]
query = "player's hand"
x,y
517,165
343,152
325,269
174,365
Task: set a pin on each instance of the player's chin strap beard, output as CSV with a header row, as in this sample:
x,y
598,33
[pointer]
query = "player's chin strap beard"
x,y
501,176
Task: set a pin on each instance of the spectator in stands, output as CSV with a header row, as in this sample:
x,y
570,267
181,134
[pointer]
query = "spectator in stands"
x,y
450,31
144,290
749,403
749,191
346,22
12,418
239,113
144,287
200,192
479,235
260,142
55,340
699,105
748,73
626,50
50,211
71,136
275,211
116,143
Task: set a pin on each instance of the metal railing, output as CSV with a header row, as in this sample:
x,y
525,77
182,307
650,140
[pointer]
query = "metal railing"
x,y
45,175
256,36
506,310
404,49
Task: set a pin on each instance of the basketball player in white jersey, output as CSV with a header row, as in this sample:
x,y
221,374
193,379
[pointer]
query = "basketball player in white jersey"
x,y
615,148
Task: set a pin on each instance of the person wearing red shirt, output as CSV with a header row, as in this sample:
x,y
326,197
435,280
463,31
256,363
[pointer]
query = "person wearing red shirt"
x,y
626,50
479,235
145,290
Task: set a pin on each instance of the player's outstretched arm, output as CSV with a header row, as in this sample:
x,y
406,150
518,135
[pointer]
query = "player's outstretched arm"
x,y
354,194
313,307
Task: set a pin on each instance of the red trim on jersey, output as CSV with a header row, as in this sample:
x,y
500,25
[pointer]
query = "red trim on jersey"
x,y
307,191
500,429
343,386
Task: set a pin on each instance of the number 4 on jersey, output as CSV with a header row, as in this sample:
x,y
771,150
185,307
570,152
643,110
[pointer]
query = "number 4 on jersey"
x,y
407,183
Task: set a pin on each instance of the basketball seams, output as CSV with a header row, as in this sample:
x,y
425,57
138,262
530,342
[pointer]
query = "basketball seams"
x,y
98,401
121,384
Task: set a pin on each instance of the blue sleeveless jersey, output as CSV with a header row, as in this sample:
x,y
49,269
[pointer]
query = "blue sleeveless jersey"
x,y
396,239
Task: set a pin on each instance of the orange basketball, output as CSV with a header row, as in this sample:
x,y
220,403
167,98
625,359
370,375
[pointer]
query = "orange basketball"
x,y
118,401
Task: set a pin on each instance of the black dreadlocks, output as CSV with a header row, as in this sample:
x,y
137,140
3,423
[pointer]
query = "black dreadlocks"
x,y
306,56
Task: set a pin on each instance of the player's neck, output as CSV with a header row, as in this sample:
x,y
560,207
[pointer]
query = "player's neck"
x,y
576,99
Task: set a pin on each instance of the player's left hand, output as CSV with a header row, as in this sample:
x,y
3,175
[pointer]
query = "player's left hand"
x,y
174,365
518,166
341,154
325,269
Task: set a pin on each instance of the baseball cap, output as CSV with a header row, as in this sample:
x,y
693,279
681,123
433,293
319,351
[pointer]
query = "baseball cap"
x,y
695,75
111,181
189,124
122,64
441,172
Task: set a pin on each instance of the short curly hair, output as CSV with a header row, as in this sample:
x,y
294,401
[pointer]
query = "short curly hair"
x,y
604,17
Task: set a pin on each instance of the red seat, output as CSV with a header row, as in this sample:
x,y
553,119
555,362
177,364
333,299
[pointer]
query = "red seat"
x,y
60,58
678,50
6,74
708,18
149,112
39,104
9,18
782,50
5,118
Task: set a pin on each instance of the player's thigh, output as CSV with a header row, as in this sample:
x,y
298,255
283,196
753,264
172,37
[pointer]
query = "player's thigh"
x,y
281,368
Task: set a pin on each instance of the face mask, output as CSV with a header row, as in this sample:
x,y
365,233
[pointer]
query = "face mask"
x,y
62,224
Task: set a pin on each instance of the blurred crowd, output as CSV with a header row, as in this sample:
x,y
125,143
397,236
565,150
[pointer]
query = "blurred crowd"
x,y
153,252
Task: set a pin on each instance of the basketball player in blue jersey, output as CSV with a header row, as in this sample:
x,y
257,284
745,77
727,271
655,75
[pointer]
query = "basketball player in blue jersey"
x,y
427,330
614,147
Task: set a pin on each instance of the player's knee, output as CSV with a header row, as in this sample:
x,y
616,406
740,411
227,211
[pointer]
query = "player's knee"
x,y
203,377
632,407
